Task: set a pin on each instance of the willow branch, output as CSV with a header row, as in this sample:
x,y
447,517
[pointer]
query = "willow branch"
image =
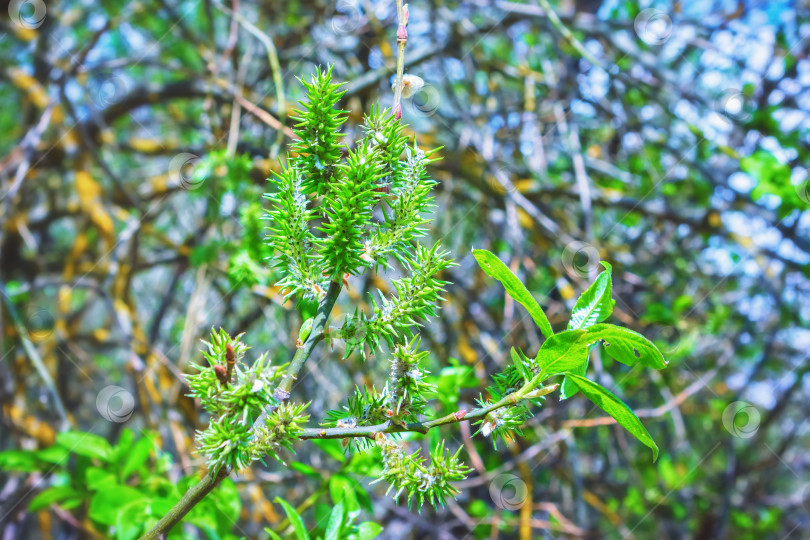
x,y
525,392
196,493
282,391
193,496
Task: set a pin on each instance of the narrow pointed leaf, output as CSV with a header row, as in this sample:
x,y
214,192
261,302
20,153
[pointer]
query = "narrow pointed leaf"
x,y
295,519
595,304
368,530
493,267
616,408
336,517
519,360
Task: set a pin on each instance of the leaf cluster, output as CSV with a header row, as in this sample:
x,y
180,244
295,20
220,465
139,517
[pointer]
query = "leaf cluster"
x,y
566,353
122,489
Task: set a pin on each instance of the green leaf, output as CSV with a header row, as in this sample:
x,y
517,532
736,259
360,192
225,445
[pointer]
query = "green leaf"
x,y
773,176
136,457
228,503
160,506
568,388
563,352
98,479
305,469
203,520
53,454
451,380
124,445
493,267
335,523
614,407
273,534
73,502
130,521
342,491
520,362
368,530
106,505
20,460
595,304
85,444
361,495
52,495
627,346
295,519
332,448
568,350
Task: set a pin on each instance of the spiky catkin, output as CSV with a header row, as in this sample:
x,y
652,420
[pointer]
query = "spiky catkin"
x,y
234,402
406,388
317,129
384,132
393,319
347,213
281,428
411,199
420,481
291,236
417,295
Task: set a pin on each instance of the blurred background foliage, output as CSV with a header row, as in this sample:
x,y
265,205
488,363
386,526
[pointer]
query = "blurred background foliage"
x,y
668,138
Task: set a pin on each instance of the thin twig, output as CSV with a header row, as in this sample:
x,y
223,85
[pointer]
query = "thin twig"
x,y
282,392
236,108
36,359
569,36
275,65
402,39
423,427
